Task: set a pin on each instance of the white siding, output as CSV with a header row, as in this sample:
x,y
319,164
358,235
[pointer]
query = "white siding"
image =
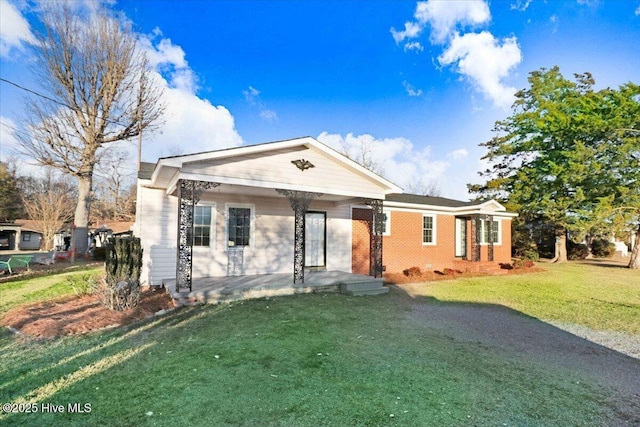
x,y
156,225
327,176
272,243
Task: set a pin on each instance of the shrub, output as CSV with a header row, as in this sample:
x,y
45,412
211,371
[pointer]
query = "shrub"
x,y
123,261
523,263
602,248
83,284
451,272
413,271
576,251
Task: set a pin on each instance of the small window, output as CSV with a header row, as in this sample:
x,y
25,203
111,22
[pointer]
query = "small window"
x,y
495,232
239,227
26,237
202,226
386,225
427,230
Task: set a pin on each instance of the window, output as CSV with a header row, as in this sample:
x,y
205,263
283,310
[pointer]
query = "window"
x,y
26,237
428,227
202,226
484,231
239,226
386,225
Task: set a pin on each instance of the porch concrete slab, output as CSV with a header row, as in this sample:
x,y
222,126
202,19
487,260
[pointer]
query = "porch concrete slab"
x,y
234,288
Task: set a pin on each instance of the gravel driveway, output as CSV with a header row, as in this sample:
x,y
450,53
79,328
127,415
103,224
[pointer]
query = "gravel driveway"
x,y
559,346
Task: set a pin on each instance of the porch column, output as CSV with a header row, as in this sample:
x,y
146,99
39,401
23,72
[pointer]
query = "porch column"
x,y
189,193
490,226
376,237
300,201
475,238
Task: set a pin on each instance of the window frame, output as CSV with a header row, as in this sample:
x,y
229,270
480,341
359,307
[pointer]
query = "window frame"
x,y
434,221
212,225
484,231
252,224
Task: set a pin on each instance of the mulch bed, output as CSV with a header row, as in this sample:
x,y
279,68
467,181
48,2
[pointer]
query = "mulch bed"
x,y
74,315
432,276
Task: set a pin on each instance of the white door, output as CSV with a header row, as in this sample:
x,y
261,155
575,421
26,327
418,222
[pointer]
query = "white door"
x,y
314,239
461,237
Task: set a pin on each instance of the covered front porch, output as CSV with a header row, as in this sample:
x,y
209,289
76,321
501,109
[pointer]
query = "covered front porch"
x,y
214,290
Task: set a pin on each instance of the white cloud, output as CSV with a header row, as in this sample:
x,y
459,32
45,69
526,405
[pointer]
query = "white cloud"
x,y
252,95
486,62
521,5
638,11
483,59
444,17
8,141
401,162
411,30
411,91
459,154
14,29
417,46
192,124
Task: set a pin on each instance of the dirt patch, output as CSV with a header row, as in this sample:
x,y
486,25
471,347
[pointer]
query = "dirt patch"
x,y
73,315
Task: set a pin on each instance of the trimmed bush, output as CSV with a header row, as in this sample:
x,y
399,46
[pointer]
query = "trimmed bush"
x,y
123,261
523,263
413,271
602,248
576,251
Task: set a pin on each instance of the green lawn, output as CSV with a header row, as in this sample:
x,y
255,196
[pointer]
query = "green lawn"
x,y
29,290
601,298
305,360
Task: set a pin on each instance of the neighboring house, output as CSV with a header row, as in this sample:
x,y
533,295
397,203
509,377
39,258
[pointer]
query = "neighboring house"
x,y
23,234
295,205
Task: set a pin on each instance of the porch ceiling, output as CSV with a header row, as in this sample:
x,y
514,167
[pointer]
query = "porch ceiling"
x,y
244,190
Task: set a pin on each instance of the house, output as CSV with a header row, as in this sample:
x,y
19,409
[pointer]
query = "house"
x,y
294,206
23,234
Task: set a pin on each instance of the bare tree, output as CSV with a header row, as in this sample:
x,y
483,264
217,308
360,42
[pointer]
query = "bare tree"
x,y
363,153
113,178
49,202
99,91
422,188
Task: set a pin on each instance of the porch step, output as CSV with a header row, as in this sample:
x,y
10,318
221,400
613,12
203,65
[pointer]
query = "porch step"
x,y
227,295
363,287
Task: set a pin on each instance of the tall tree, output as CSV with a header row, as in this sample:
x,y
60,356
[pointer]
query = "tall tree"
x,y
99,91
564,153
10,202
48,202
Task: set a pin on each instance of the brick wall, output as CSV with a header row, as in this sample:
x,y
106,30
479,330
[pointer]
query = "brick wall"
x,y
362,220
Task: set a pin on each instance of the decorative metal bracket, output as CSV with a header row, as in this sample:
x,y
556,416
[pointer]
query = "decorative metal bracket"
x,y
376,237
300,201
303,164
189,193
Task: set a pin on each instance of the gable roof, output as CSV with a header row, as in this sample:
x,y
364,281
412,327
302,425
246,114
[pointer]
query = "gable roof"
x,y
427,200
268,165
458,207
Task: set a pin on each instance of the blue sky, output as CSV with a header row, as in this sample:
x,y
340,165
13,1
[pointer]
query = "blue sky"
x,y
421,83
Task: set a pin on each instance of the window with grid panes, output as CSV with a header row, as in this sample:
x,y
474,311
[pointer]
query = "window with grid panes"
x,y
202,226
427,229
239,226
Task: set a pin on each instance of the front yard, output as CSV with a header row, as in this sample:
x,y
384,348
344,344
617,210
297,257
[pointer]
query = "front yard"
x,y
422,355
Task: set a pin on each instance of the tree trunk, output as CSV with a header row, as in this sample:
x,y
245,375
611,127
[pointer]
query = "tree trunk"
x,y
561,246
634,262
81,220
